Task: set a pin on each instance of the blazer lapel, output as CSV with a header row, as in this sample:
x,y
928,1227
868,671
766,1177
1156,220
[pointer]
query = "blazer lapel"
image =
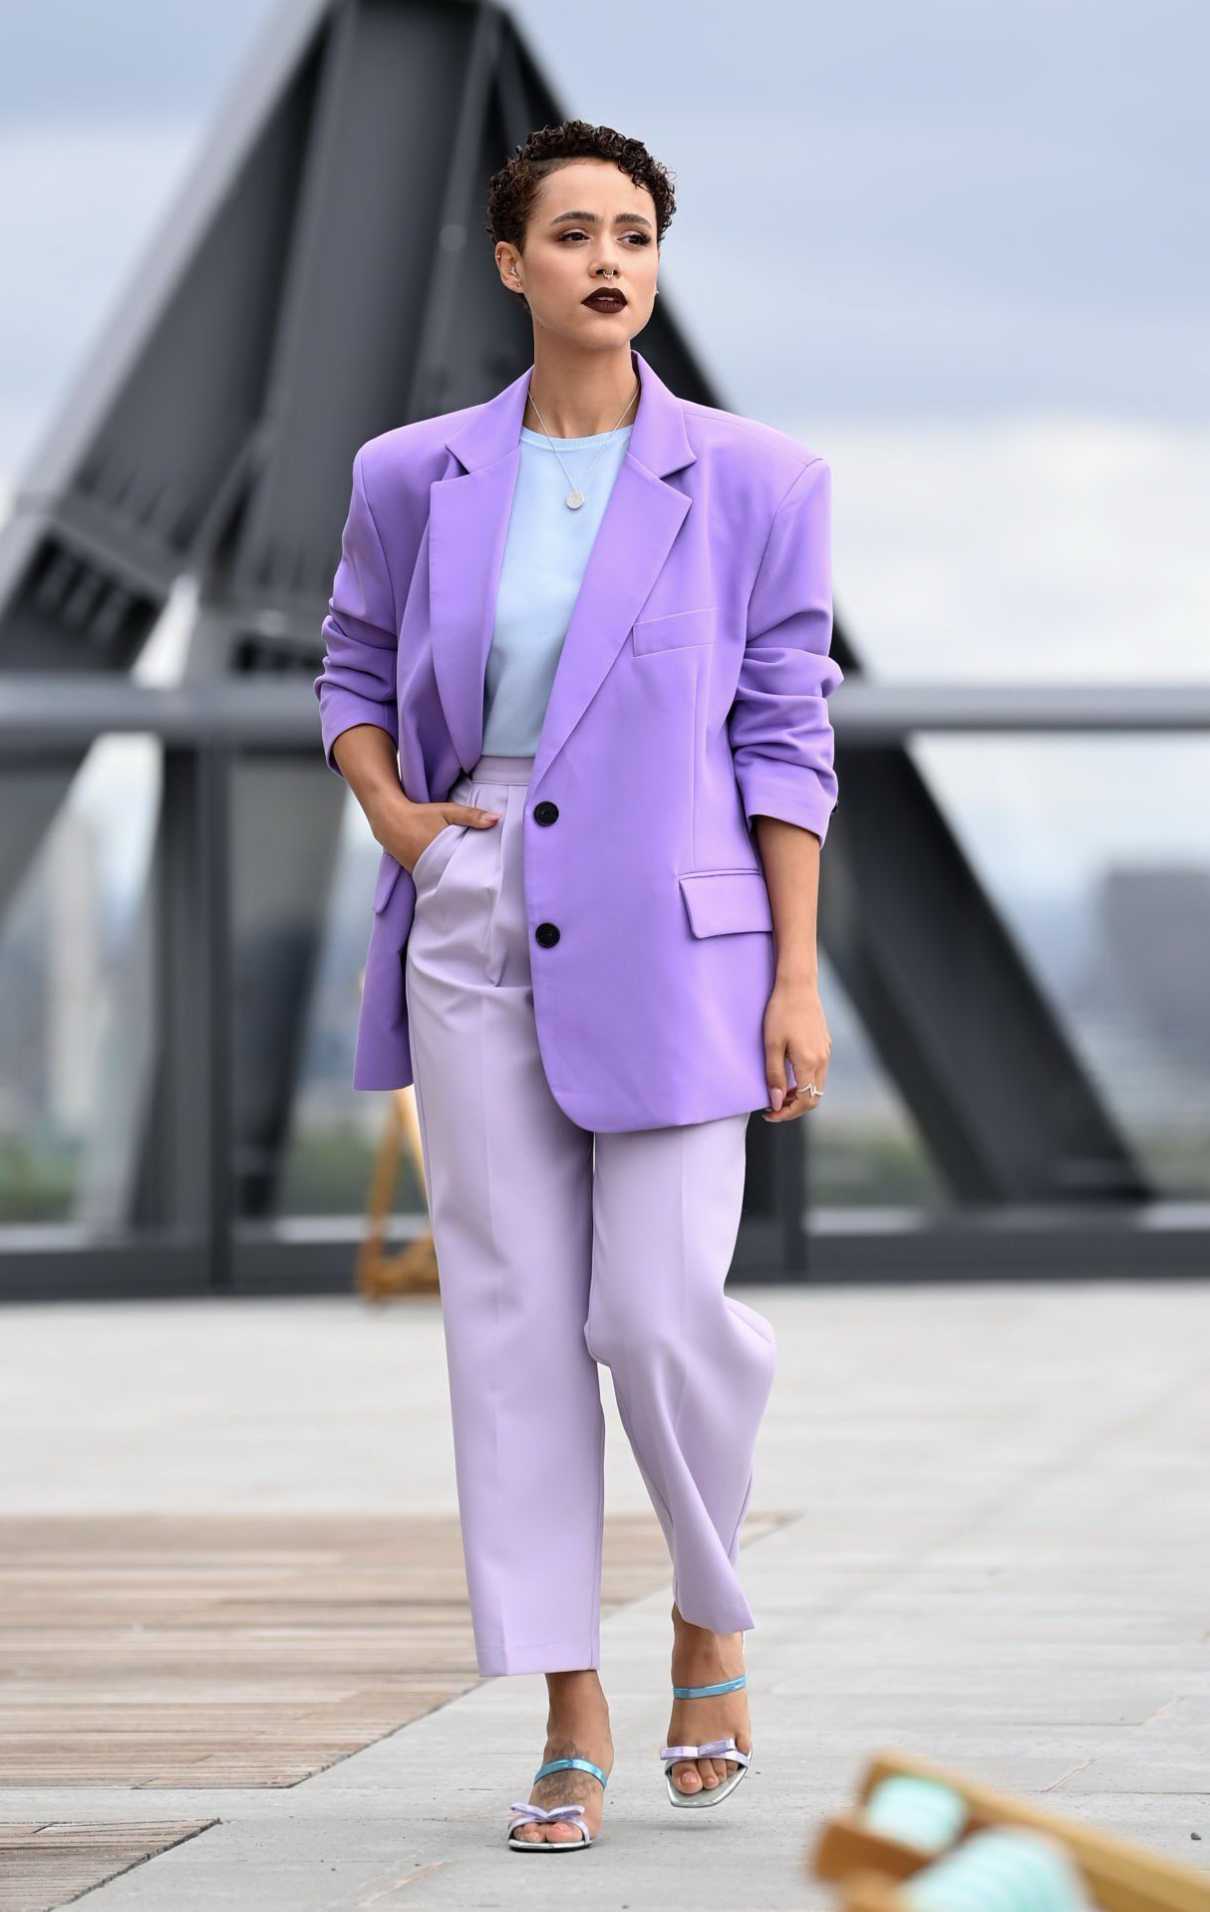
x,y
468,527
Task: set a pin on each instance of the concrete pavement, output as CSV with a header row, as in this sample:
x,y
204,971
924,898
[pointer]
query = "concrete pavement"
x,y
1001,1560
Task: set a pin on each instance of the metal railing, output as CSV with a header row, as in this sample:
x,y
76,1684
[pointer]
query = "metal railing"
x,y
191,1236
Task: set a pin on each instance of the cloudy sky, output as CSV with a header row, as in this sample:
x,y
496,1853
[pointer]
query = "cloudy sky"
x,y
959,249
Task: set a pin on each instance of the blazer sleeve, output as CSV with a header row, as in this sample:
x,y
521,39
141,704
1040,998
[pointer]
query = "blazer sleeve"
x,y
779,728
357,682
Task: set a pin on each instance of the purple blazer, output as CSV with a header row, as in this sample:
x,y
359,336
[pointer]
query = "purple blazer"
x,y
690,696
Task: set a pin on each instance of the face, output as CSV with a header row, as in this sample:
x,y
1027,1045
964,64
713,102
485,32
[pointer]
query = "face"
x,y
590,226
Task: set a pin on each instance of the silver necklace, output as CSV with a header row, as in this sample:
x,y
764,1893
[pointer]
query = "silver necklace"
x,y
575,497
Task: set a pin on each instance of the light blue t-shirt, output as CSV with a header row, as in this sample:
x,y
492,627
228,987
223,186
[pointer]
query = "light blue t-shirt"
x,y
547,548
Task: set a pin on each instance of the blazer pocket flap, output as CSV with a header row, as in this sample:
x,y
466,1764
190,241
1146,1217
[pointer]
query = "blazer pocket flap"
x,y
675,628
722,900
389,873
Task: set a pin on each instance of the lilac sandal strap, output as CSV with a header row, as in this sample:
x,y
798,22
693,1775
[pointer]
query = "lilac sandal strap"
x,y
710,1749
525,1813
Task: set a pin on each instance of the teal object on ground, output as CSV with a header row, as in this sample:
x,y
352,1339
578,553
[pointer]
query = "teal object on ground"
x,y
1002,1869
921,1812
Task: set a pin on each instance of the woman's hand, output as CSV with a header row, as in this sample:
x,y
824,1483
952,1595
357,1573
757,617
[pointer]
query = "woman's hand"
x,y
795,1026
405,828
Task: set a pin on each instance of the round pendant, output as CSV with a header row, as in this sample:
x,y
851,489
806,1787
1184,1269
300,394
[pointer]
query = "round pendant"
x,y
574,499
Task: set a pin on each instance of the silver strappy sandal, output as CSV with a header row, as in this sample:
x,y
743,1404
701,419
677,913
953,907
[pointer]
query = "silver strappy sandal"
x,y
712,1749
524,1813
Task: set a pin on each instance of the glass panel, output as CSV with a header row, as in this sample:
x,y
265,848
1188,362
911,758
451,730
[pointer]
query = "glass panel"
x,y
1096,853
74,1034
337,1129
864,1149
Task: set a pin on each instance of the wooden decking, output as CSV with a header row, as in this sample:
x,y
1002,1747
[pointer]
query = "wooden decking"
x,y
44,1865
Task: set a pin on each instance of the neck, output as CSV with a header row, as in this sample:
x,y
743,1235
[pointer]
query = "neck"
x,y
581,393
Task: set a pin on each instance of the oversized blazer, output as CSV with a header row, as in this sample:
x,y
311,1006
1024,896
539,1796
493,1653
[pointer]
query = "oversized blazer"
x,y
690,696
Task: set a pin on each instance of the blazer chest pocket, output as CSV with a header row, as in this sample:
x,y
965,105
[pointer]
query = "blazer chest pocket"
x,y
719,901
674,630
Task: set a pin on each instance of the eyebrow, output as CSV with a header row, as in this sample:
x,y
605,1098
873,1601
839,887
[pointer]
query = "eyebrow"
x,y
592,219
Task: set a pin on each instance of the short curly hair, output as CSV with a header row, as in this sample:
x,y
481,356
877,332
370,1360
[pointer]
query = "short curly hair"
x,y
512,191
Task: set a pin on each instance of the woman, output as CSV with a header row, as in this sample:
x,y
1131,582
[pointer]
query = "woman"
x,y
576,675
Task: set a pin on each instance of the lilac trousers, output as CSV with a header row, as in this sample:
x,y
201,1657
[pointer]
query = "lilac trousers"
x,y
558,1249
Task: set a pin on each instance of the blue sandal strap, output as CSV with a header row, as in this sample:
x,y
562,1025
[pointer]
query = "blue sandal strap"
x,y
585,1765
701,1692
